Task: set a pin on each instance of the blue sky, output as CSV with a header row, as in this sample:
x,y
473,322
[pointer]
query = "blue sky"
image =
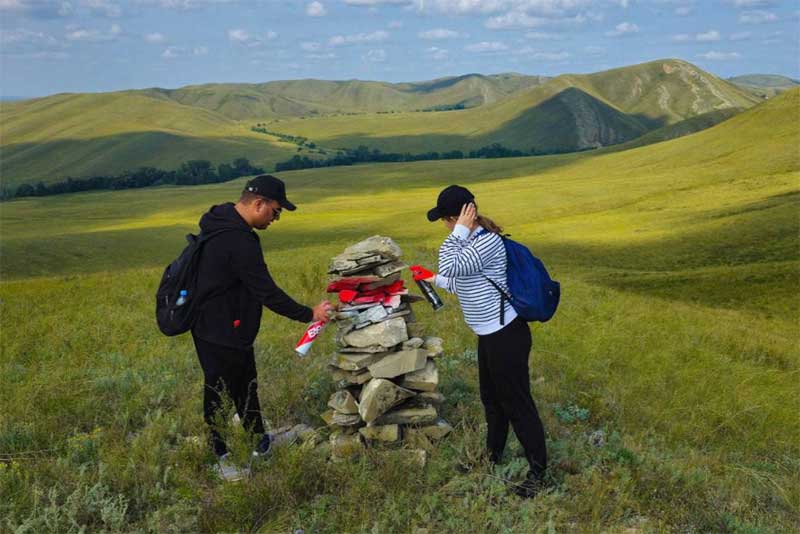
x,y
50,46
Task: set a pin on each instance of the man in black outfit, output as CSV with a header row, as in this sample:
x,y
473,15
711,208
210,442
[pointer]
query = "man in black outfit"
x,y
233,284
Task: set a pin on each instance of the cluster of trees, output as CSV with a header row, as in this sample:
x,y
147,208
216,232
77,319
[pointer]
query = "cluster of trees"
x,y
296,139
363,154
192,172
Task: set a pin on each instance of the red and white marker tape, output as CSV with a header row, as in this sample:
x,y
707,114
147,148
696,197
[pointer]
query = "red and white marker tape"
x,y
312,332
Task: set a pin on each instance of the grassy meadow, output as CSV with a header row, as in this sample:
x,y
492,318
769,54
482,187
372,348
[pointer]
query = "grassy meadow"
x,y
677,336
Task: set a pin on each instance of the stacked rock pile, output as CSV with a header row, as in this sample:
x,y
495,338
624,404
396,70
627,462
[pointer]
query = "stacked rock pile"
x,y
384,369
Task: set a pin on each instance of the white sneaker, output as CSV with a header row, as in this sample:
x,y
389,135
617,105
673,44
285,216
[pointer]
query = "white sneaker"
x,y
229,471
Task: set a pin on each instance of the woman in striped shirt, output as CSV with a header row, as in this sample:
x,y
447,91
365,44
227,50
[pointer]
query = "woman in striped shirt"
x,y
471,256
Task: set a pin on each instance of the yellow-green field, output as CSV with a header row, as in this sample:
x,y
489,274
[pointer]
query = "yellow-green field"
x,y
677,333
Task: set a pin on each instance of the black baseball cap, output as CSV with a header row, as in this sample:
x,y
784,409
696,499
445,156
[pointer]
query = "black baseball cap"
x,y
450,201
270,187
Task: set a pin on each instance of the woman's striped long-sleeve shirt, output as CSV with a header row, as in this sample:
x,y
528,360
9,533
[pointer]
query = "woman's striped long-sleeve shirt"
x,y
466,259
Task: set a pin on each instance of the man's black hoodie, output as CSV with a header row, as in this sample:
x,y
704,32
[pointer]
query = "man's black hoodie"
x,y
234,283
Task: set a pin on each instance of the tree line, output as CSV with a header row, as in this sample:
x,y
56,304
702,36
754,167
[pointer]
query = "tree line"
x,y
193,172
363,154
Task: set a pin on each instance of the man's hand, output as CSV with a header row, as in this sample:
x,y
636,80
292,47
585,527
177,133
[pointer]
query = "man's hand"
x,y
322,311
468,216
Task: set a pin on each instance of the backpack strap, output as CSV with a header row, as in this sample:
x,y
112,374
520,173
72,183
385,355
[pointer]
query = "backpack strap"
x,y
504,296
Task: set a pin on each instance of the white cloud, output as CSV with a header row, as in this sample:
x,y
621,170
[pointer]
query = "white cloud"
x,y
10,38
174,52
327,55
683,11
238,35
438,34
94,36
622,3
374,3
310,46
316,9
623,28
533,53
395,24
104,7
376,36
486,46
682,38
377,55
437,53
752,3
709,36
741,36
184,5
720,56
544,36
757,17
37,8
541,7
155,38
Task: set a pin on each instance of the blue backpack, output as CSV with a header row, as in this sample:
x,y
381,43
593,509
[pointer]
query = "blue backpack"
x,y
531,291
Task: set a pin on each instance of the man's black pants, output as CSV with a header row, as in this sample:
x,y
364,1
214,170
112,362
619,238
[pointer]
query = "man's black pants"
x,y
506,393
232,371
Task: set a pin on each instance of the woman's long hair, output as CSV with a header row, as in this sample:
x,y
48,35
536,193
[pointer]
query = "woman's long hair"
x,y
489,225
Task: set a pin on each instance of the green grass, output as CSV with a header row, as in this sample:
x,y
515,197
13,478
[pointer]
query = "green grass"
x,y
677,336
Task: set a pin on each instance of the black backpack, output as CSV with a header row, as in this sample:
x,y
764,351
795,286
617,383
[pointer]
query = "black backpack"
x,y
179,282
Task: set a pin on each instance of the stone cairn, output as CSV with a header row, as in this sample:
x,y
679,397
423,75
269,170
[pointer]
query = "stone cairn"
x,y
384,369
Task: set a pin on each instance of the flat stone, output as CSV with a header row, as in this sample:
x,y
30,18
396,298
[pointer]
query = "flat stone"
x,y
386,334
343,402
426,379
434,346
363,350
409,416
378,396
356,361
371,260
398,363
344,446
436,431
376,244
373,314
343,419
381,433
431,397
381,282
390,268
413,343
350,377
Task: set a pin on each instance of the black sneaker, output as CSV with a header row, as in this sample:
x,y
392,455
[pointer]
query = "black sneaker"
x,y
530,487
264,446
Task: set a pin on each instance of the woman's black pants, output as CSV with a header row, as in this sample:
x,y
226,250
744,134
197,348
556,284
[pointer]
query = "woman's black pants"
x,y
232,371
506,393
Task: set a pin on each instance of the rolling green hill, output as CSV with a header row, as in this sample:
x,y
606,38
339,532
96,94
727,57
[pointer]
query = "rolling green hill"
x,y
764,85
79,135
676,339
296,98
569,112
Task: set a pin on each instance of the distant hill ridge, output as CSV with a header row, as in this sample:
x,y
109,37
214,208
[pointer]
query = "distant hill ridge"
x,y
296,98
82,135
